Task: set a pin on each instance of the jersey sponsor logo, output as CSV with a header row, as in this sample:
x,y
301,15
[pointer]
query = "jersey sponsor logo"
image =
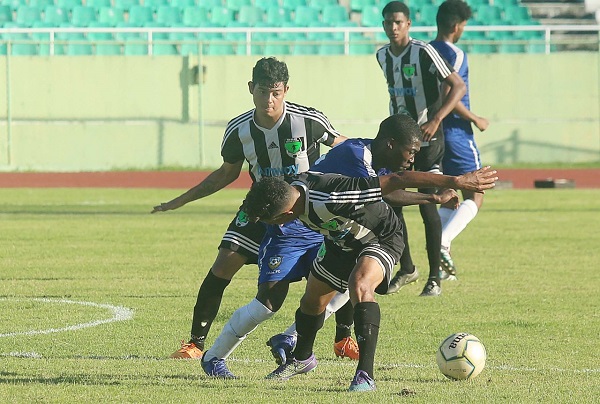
x,y
409,70
402,91
242,219
273,146
293,147
279,171
275,261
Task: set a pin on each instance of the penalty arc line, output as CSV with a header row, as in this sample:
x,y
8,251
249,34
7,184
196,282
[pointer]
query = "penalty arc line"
x,y
120,313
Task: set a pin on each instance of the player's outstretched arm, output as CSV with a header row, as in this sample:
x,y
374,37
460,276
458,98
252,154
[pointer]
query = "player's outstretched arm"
x,y
477,181
215,181
401,197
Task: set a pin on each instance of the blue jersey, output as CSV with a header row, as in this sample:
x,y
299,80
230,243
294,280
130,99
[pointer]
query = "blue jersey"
x,y
458,59
352,158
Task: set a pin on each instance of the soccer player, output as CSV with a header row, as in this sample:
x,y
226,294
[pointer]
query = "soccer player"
x,y
461,154
276,138
413,71
363,240
395,144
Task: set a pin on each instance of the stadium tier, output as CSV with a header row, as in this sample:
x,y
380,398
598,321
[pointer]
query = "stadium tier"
x,y
132,27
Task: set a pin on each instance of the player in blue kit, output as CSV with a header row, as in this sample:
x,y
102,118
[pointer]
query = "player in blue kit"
x,y
461,154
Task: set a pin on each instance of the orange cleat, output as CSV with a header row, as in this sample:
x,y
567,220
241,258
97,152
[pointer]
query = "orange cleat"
x,y
188,350
346,348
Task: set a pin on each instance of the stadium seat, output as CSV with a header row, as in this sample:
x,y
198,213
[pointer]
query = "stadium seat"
x,y
161,49
15,35
24,49
221,16
335,15
3,48
6,14
358,5
278,16
140,15
27,15
370,16
68,4
330,48
274,48
14,4
304,48
111,16
511,48
482,48
293,4
488,15
250,15
236,5
219,48
82,16
305,15
186,3
517,15
426,15
55,15
193,16
123,36
79,49
41,4
266,4
107,49
135,47
321,4
506,3
155,4
98,4
126,5
169,16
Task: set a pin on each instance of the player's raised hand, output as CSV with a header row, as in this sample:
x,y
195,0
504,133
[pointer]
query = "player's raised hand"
x,y
448,197
480,180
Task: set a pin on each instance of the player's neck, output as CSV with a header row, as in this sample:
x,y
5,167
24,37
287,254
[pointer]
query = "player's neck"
x,y
397,48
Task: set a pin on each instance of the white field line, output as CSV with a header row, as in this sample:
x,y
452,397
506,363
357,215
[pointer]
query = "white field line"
x,y
119,313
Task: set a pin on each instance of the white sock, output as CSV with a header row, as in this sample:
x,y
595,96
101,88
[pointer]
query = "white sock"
x,y
243,321
338,301
445,214
457,223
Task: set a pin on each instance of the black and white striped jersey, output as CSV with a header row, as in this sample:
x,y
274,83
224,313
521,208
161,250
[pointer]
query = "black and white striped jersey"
x,y
289,148
413,79
349,211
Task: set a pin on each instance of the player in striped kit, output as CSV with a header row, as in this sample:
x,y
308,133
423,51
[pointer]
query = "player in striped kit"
x,y
461,154
413,71
276,138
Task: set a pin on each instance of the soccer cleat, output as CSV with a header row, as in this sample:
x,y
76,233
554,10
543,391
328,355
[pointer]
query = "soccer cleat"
x,y
362,382
293,367
447,268
281,347
400,280
431,289
346,348
188,350
217,368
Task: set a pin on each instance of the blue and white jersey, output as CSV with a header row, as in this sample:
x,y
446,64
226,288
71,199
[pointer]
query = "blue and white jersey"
x,y
352,158
458,59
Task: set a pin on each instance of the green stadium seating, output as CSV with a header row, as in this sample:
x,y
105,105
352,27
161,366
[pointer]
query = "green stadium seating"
x,y
330,49
55,15
358,5
123,36
126,5
24,49
250,15
517,15
193,16
140,15
98,4
111,16
79,49
164,49
304,48
155,4
482,48
221,16
266,4
335,15
321,4
488,15
107,49
41,4
236,5
305,15
68,4
83,16
186,3
511,48
3,49
27,15
5,14
506,3
426,15
370,16
14,4
293,4
170,16
278,16
274,48
219,48
14,35
135,47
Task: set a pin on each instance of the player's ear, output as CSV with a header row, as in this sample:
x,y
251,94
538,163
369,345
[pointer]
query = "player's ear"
x,y
251,87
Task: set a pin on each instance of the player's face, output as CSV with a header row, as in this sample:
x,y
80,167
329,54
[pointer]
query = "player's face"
x,y
396,26
404,155
460,28
281,218
268,100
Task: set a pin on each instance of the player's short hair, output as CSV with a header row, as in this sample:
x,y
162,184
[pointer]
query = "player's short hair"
x,y
267,198
400,127
270,71
450,13
396,7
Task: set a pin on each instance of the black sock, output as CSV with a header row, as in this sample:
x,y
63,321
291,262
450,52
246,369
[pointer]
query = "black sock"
x,y
307,327
207,307
366,327
433,237
344,318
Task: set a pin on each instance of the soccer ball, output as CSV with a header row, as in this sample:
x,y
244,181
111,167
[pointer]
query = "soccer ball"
x,y
461,356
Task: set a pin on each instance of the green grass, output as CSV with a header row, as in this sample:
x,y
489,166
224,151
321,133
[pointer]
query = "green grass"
x,y
528,288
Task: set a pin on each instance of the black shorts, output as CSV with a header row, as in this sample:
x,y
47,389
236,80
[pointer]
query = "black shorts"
x,y
429,158
244,237
336,266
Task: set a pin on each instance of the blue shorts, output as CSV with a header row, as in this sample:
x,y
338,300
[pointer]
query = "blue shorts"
x,y
461,155
288,256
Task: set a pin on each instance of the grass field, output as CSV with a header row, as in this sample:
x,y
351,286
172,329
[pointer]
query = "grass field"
x,y
95,293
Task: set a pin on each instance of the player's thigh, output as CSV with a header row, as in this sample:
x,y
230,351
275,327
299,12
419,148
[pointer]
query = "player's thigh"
x,y
316,296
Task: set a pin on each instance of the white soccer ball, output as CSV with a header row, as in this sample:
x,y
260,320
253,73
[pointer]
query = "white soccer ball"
x,y
461,356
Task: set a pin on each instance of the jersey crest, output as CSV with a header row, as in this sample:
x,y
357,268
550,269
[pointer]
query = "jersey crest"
x,y
293,147
242,219
408,71
275,261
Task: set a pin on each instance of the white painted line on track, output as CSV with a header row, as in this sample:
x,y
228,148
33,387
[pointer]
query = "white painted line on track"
x,y
119,313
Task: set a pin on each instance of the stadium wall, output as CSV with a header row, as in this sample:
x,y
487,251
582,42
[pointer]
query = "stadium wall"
x,y
100,113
